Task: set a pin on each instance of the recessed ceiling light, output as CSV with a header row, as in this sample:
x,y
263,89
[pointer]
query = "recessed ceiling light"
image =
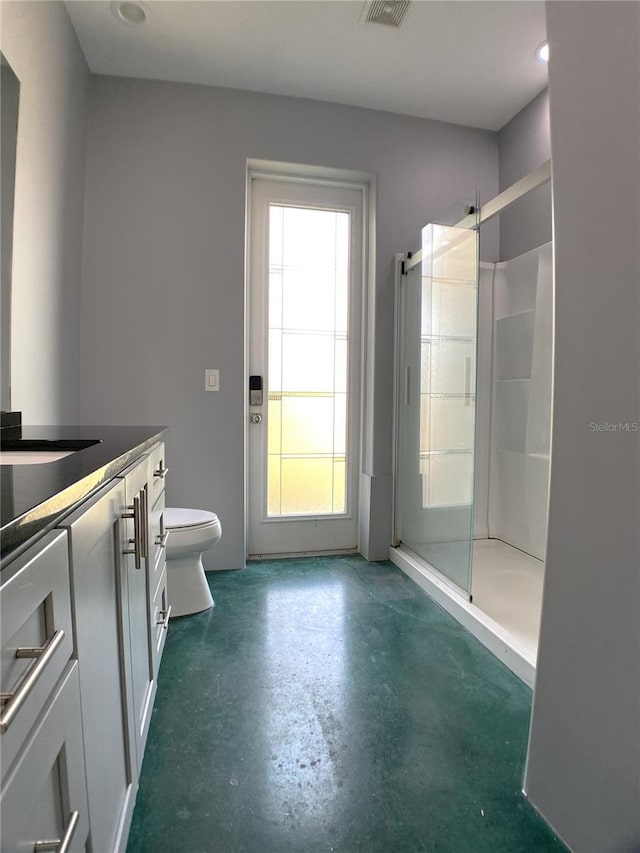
x,y
542,52
128,12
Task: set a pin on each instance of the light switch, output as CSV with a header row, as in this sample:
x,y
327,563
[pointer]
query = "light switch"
x,y
212,380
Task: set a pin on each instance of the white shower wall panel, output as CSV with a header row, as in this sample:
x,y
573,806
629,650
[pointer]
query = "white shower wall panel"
x,y
515,284
521,407
539,411
510,414
514,345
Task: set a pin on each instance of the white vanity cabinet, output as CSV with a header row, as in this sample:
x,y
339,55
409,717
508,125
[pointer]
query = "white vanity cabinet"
x,y
43,776
86,608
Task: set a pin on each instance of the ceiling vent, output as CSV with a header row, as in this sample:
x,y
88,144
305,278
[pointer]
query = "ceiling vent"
x,y
389,12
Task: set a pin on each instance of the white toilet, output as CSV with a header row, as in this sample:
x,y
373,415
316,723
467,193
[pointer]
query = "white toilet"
x,y
189,533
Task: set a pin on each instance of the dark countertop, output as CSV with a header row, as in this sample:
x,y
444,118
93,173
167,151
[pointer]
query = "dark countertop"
x,y
35,497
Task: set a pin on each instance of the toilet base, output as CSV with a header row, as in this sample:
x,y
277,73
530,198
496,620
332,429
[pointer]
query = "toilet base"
x,y
187,588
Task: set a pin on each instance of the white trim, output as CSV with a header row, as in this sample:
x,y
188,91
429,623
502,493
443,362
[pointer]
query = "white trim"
x,y
491,634
399,258
349,552
302,173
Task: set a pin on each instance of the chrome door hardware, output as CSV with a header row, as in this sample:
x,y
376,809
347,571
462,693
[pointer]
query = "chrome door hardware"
x,y
164,617
136,541
42,654
138,512
59,845
161,471
144,524
256,418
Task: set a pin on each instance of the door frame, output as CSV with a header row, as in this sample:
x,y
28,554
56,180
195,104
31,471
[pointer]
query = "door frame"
x,y
365,182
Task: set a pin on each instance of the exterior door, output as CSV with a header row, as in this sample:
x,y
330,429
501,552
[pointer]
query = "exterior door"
x,y
306,271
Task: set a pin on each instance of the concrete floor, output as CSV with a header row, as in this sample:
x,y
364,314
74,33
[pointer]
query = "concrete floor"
x,y
328,704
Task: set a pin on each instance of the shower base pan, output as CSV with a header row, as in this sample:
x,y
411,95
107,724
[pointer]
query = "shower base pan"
x,y
517,655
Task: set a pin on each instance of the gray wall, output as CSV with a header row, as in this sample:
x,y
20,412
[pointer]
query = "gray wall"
x,y
9,96
163,280
523,145
41,46
584,761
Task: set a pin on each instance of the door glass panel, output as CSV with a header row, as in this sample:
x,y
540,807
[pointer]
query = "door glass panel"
x,y
436,417
307,361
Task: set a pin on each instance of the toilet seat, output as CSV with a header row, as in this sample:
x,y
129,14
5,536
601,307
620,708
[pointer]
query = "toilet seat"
x,y
177,518
190,530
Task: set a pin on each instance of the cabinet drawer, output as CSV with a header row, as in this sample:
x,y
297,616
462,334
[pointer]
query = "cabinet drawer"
x,y
157,544
36,636
159,621
158,472
44,797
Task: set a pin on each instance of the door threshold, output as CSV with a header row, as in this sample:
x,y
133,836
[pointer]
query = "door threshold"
x,y
292,554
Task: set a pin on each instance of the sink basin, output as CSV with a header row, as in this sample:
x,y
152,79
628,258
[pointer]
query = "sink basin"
x,y
29,451
32,457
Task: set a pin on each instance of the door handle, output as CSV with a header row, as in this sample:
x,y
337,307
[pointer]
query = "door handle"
x,y
60,845
136,515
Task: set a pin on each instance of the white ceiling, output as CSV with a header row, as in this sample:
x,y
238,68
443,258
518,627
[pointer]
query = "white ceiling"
x,y
464,61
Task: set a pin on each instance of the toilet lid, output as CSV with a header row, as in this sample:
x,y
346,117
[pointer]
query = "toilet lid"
x,y
179,517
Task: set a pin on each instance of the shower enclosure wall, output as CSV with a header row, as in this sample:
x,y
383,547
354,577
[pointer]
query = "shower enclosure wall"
x,y
473,414
521,393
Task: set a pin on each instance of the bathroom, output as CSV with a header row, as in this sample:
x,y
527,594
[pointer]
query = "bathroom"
x,y
155,193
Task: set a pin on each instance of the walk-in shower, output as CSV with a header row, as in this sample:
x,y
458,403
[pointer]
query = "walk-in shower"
x,y
473,414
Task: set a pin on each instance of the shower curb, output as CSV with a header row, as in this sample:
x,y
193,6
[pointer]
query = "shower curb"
x,y
492,635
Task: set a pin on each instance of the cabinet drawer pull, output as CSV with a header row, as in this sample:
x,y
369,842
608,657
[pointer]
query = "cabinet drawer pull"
x,y
136,541
161,471
164,617
14,701
59,845
161,539
144,524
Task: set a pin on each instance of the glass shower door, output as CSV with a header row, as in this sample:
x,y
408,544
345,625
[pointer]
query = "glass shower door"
x,y
436,417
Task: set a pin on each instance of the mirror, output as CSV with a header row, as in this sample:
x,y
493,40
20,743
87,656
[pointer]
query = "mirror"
x,y
9,99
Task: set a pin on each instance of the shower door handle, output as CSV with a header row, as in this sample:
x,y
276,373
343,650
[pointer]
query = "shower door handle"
x,y
406,384
467,381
